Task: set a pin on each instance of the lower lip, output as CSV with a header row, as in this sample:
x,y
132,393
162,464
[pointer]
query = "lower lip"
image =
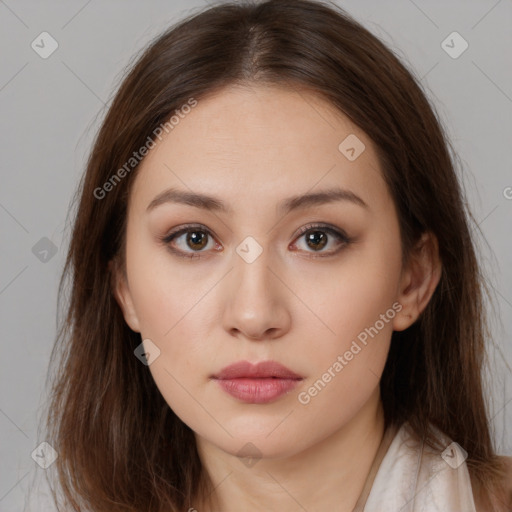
x,y
257,391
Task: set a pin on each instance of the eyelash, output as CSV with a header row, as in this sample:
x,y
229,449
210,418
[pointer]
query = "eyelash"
x,y
340,235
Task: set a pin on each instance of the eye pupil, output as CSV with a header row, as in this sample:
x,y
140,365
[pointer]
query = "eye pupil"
x,y
197,238
317,237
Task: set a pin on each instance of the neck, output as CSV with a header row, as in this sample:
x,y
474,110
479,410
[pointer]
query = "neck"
x,y
328,475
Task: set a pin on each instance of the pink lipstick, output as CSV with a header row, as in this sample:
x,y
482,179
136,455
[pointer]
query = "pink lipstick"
x,y
256,383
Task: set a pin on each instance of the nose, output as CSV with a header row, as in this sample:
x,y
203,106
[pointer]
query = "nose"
x,y
257,301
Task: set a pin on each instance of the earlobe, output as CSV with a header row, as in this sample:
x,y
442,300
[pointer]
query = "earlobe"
x,y
121,292
419,281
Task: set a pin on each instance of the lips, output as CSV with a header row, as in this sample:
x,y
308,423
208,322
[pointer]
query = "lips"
x,y
263,370
257,383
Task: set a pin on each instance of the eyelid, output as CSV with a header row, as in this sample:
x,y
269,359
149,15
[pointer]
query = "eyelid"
x,y
321,225
183,228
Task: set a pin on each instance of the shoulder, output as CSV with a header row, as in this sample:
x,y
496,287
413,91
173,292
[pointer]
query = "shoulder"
x,y
501,500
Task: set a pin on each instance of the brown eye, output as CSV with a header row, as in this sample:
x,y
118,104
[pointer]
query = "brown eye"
x,y
196,240
189,241
317,237
317,240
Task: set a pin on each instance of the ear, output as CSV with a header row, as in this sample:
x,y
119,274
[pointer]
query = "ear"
x,y
121,292
418,281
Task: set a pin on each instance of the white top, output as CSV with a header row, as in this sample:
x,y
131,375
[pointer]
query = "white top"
x,y
413,477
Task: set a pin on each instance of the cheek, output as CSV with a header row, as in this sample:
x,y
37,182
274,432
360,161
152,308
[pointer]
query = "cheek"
x,y
169,308
163,294
357,310
171,305
352,295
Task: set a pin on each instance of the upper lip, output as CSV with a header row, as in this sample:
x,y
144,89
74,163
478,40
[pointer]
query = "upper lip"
x,y
264,369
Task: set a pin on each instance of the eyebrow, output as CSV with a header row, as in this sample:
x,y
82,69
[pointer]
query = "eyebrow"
x,y
297,202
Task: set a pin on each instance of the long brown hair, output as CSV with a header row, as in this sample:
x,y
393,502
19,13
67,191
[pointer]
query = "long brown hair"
x,y
120,446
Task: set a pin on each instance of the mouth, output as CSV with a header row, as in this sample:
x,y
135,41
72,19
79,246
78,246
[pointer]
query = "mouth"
x,y
257,383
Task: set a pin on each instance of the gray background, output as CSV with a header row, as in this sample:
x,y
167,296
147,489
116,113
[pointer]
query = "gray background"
x,y
52,107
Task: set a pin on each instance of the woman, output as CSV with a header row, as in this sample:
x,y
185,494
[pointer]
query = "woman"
x,y
275,301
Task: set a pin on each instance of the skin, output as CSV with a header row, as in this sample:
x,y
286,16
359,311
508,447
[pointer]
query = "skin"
x,y
252,147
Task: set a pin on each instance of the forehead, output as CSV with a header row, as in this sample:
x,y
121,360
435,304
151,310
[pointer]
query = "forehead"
x,y
269,141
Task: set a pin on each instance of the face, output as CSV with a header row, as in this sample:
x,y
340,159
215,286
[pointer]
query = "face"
x,y
262,272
